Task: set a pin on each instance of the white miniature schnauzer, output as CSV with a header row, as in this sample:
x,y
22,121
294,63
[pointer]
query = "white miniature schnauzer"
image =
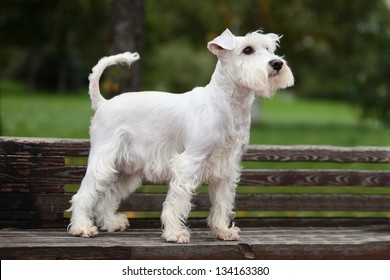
x,y
181,139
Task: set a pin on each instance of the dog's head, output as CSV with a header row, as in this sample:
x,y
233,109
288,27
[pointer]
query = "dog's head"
x,y
250,61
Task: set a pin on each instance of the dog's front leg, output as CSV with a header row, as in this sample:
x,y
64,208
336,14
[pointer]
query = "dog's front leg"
x,y
186,172
222,194
176,209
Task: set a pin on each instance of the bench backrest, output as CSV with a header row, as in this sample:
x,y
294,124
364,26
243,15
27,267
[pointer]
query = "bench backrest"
x,y
290,185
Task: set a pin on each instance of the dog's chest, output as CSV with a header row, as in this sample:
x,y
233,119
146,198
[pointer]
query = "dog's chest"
x,y
224,161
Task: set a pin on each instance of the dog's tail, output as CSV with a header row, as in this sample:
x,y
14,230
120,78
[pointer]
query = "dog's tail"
x,y
126,58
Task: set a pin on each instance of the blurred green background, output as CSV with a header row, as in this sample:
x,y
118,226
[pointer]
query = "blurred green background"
x,y
339,52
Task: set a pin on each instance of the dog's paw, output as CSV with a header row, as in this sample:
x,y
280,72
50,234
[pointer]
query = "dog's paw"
x,y
230,234
117,223
181,237
83,230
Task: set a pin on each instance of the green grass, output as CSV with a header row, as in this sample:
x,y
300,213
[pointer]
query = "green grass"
x,y
284,120
43,114
292,121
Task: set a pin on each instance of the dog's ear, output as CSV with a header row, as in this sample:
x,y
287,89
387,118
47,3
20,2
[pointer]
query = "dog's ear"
x,y
225,41
275,38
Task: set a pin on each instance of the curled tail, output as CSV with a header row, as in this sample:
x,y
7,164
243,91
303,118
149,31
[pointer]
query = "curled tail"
x,y
126,58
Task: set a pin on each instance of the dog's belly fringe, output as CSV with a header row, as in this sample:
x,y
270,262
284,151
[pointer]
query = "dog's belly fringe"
x,y
158,168
151,167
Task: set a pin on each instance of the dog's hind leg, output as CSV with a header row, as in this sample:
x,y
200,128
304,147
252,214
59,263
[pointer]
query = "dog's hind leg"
x,y
108,203
99,178
81,223
222,194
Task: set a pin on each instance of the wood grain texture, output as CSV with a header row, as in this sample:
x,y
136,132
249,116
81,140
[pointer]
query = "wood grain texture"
x,y
370,242
43,146
50,203
315,178
52,175
46,175
317,154
33,173
75,147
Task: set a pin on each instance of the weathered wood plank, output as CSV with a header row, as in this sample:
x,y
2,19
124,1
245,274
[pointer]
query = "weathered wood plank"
x,y
34,202
31,187
315,178
43,146
261,243
35,165
76,147
38,220
47,203
317,154
74,174
46,175
302,202
31,219
17,161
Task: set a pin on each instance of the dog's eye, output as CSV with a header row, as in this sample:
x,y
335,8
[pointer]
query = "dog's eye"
x,y
248,50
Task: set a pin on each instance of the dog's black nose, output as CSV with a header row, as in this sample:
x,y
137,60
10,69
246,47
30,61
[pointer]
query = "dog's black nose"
x,y
276,64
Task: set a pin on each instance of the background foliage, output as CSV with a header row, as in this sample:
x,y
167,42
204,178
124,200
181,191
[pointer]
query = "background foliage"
x,y
338,49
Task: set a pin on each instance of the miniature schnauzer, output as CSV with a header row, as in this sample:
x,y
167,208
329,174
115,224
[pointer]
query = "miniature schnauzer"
x,y
185,140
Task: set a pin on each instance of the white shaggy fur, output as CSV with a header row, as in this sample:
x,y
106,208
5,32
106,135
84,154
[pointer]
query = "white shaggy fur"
x,y
182,139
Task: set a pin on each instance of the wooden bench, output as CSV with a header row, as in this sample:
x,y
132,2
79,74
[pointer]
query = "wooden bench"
x,y
331,209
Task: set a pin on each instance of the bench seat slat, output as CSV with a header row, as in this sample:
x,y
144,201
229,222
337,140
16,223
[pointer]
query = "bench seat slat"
x,y
74,174
317,154
79,147
315,178
43,146
249,202
47,175
27,162
267,243
29,187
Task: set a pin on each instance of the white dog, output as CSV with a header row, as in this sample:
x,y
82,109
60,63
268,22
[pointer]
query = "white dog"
x,y
182,139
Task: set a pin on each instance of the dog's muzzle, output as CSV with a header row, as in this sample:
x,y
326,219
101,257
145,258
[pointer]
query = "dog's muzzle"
x,y
275,65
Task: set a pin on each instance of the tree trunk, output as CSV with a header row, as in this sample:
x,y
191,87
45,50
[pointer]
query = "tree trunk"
x,y
126,35
62,72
